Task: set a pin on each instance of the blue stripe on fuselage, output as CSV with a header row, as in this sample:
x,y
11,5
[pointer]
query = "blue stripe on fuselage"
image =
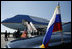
x,y
19,18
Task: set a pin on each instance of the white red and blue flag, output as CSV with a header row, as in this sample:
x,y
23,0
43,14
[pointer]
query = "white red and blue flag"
x,y
53,26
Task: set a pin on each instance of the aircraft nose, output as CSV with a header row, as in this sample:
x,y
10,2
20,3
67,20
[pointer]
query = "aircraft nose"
x,y
5,21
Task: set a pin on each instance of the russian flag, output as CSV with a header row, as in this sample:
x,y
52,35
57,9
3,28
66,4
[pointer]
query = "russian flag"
x,y
53,26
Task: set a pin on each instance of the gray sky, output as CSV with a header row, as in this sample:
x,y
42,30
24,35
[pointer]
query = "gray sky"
x,y
44,9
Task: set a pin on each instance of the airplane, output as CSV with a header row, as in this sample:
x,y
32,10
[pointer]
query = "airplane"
x,y
17,21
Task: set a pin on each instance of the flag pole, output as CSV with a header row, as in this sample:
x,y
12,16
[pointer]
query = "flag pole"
x,y
62,41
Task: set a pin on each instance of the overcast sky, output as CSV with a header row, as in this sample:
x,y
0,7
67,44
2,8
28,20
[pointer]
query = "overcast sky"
x,y
44,9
